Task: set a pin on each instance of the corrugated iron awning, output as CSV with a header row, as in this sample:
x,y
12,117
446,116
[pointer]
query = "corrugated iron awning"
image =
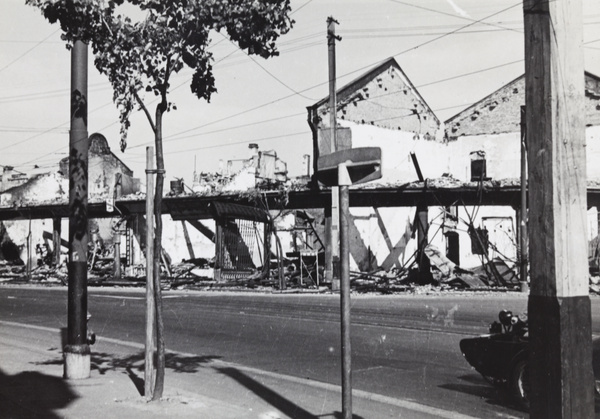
x,y
243,212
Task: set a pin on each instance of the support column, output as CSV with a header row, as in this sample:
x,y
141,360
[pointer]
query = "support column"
x,y
188,241
422,241
77,351
117,255
328,245
560,365
56,240
218,250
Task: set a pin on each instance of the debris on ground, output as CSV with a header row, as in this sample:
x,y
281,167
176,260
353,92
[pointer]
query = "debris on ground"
x,y
290,274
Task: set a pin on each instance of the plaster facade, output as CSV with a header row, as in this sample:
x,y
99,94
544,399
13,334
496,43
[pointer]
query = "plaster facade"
x,y
382,108
108,177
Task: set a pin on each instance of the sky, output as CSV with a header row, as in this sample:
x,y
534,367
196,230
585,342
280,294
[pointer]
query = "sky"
x,y
456,52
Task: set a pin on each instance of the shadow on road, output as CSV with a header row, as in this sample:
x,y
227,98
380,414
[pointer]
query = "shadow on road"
x,y
476,385
285,406
500,395
279,402
32,394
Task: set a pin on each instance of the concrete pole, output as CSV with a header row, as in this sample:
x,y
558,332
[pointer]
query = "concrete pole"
x,y
150,348
333,266
77,351
560,364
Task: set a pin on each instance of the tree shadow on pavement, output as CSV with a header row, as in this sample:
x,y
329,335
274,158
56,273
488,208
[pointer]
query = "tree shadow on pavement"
x,y
31,394
133,365
178,363
285,406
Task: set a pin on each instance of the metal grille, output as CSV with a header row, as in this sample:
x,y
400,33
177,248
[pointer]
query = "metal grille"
x,y
239,246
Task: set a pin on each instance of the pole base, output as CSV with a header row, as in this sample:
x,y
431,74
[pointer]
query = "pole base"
x,y
77,363
524,287
335,284
561,378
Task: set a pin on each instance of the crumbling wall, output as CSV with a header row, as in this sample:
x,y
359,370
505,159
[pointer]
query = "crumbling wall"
x,y
49,188
104,169
18,232
381,232
396,164
500,112
10,178
385,98
175,244
502,155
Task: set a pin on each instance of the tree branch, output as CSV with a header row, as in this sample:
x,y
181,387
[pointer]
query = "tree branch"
x,y
163,91
137,97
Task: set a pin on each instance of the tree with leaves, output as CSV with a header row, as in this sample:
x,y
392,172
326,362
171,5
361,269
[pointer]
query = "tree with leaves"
x,y
140,57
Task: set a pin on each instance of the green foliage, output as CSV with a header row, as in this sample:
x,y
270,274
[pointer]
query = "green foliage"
x,y
141,56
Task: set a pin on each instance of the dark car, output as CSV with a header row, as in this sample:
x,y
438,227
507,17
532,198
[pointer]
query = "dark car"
x,y
501,356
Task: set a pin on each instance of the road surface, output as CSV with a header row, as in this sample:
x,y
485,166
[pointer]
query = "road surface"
x,y
403,347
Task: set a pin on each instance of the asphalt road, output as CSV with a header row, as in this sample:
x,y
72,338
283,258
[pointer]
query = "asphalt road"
x,y
403,347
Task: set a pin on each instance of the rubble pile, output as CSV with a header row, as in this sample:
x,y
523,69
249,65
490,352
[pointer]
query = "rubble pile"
x,y
288,274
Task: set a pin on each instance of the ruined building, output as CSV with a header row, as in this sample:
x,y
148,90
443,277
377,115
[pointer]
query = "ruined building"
x,y
109,178
448,192
477,148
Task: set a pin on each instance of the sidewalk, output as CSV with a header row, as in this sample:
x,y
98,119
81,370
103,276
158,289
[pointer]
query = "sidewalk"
x,y
31,386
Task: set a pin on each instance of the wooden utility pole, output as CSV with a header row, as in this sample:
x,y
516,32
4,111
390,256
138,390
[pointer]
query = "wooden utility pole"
x,y
522,253
77,351
560,366
150,307
117,192
344,182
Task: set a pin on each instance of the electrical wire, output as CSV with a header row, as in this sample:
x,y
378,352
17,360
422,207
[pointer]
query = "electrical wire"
x,y
226,129
28,51
301,7
457,16
312,87
254,140
412,35
272,75
347,74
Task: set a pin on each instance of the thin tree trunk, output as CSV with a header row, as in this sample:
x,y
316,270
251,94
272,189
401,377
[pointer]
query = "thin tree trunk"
x,y
160,174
